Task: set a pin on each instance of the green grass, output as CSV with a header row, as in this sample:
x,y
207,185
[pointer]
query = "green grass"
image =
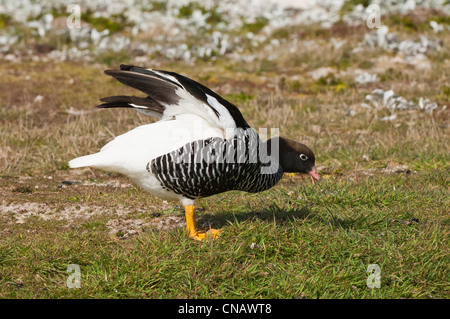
x,y
298,240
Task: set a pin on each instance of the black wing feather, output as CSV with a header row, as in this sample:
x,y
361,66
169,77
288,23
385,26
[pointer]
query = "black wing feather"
x,y
161,91
129,101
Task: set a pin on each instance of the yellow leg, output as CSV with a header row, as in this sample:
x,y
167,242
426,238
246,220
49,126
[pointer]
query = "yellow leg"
x,y
191,226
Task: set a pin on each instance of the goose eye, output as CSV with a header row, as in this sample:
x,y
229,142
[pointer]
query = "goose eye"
x,y
303,157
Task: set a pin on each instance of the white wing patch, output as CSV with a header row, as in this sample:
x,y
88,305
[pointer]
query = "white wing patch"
x,y
145,110
138,106
188,104
226,120
191,105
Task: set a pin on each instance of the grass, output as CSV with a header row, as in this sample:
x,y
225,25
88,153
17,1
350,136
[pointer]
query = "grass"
x,y
309,242
383,198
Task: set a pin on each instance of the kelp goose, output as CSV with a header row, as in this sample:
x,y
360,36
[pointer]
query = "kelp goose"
x,y
201,145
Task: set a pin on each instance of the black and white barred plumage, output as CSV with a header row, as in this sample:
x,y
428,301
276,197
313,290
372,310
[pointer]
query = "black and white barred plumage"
x,y
207,167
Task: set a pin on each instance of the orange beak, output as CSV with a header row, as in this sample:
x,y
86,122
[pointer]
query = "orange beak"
x,y
313,173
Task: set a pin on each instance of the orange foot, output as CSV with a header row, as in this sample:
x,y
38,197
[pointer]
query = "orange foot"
x,y
191,227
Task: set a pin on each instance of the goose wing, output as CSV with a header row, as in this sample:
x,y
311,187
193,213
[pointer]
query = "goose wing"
x,y
170,94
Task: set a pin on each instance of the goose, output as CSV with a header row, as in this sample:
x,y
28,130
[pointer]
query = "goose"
x,y
201,145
